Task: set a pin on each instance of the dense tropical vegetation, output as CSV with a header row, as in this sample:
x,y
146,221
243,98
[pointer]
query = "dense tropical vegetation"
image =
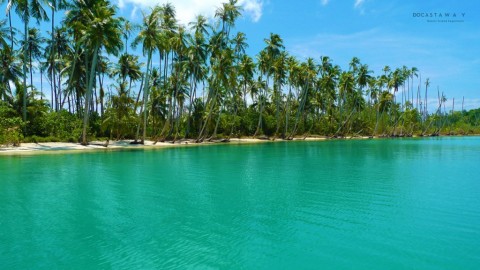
x,y
197,82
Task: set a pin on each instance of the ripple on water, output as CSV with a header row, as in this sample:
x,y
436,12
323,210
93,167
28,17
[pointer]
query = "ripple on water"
x,y
383,204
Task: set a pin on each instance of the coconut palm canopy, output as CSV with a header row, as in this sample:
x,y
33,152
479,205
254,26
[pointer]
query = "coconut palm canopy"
x,y
164,80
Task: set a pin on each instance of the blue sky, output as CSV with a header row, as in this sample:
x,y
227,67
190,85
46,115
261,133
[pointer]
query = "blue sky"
x,y
379,32
383,33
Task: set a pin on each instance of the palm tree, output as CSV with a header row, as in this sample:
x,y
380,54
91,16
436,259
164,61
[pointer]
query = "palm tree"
x,y
32,46
345,92
55,5
262,86
224,81
148,36
363,76
180,64
273,51
25,10
101,32
9,15
292,67
196,68
127,28
128,67
55,52
227,14
103,68
279,77
384,105
10,72
200,26
413,72
425,108
4,38
328,84
427,84
306,81
246,69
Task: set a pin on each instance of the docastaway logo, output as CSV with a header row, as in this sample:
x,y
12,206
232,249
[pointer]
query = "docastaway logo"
x,y
449,17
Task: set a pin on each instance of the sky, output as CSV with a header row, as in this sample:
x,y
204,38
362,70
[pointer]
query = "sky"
x,y
379,32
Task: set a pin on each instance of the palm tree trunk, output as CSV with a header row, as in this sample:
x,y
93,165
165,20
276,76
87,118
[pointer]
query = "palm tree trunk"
x,y
287,111
214,135
24,106
101,93
212,103
145,96
259,117
88,95
378,115
303,97
277,111
235,111
52,53
11,29
31,70
41,84
192,90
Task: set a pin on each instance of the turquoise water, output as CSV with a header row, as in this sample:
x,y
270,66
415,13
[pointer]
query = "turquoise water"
x,y
366,204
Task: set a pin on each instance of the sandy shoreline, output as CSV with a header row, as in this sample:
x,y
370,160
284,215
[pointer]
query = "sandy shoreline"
x,y
65,147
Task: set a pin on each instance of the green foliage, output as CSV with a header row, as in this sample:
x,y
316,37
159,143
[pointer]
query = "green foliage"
x,y
10,126
203,86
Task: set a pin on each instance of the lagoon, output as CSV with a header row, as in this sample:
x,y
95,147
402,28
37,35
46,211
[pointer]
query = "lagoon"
x,y
341,204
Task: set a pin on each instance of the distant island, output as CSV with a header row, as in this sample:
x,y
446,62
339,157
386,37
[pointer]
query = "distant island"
x,y
201,86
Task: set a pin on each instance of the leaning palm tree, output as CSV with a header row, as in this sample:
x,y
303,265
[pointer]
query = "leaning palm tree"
x,y
385,104
101,32
306,81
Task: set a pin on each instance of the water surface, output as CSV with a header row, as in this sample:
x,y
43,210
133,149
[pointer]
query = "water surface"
x,y
366,204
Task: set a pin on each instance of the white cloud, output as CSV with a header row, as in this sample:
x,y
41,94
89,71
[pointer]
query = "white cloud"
x,y
187,10
121,4
253,8
358,3
133,14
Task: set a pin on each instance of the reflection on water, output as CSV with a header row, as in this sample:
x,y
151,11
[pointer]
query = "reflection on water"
x,y
376,204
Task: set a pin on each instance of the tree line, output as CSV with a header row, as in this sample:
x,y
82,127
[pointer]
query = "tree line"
x,y
197,83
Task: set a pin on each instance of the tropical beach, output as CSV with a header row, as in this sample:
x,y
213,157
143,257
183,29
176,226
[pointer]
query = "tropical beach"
x,y
66,147
239,134
103,77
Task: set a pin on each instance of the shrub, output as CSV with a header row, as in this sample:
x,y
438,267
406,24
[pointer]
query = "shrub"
x,y
10,126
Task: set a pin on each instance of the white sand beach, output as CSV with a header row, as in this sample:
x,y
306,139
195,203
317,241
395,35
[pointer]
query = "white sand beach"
x,y
63,147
